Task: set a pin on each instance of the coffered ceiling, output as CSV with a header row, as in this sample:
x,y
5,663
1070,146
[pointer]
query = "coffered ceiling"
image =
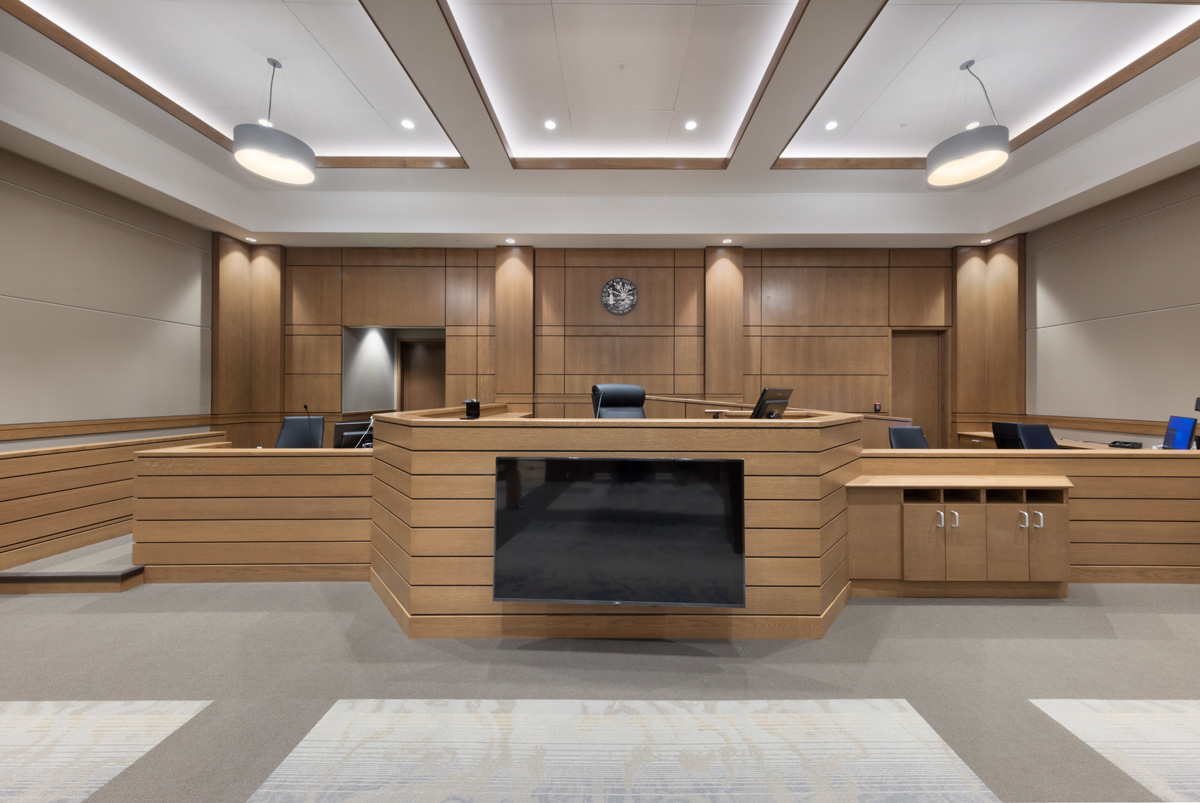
x,y
141,96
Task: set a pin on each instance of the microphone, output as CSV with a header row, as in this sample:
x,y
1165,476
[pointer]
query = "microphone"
x,y
310,432
369,429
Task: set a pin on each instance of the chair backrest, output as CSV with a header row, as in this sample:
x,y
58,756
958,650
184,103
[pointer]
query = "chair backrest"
x,y
907,438
618,401
1007,435
301,432
1036,436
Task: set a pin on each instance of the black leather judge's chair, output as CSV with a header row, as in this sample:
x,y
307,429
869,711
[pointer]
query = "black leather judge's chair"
x,y
618,401
1007,435
301,432
1036,436
907,438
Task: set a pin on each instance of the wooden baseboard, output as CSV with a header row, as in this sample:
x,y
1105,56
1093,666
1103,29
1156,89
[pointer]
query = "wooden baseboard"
x,y
1135,574
259,573
947,590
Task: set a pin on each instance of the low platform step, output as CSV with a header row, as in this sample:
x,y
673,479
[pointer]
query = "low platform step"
x,y
70,582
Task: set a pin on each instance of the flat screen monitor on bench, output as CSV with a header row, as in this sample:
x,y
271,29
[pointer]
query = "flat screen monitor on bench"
x,y
1179,433
351,434
771,403
620,531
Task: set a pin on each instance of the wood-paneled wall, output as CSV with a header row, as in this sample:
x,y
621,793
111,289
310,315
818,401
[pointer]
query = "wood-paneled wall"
x,y
434,495
58,499
1135,517
251,515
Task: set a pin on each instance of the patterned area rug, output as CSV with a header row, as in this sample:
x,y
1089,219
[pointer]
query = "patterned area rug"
x,y
1155,742
603,750
65,751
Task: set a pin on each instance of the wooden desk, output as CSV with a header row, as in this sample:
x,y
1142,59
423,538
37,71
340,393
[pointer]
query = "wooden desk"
x,y
985,440
434,508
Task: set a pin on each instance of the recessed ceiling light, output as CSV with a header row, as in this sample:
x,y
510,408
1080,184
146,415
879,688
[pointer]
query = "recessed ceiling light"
x,y
690,125
727,241
985,241
266,122
832,124
409,124
972,126
251,240
510,240
551,125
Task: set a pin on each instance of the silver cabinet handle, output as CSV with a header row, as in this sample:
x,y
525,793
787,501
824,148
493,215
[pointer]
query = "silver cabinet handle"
x,y
941,519
955,512
1025,526
1041,520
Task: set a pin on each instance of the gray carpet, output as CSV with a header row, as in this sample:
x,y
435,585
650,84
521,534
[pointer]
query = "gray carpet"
x,y
275,658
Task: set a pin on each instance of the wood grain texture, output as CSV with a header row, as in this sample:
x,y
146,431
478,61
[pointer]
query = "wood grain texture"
x,y
919,297
514,294
656,295
313,355
825,355
918,364
825,296
392,295
313,294
941,590
321,392
723,321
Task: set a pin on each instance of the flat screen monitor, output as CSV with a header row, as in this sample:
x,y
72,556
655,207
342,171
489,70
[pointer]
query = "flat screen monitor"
x,y
1179,433
351,434
620,531
771,403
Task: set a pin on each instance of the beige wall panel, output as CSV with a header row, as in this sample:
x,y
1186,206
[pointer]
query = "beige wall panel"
x,y
314,355
313,295
824,257
825,355
620,258
514,320
394,257
844,394
548,355
462,304
550,289
611,355
656,296
393,296
689,296
919,296
321,392
825,297
723,322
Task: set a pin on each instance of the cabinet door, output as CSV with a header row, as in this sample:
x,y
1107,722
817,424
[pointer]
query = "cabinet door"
x,y
1007,543
1048,559
924,542
966,543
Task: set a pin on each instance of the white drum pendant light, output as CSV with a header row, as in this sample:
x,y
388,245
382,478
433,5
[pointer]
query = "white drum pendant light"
x,y
266,151
971,155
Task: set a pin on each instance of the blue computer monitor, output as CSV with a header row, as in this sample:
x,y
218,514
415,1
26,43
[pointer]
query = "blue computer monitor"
x,y
1179,433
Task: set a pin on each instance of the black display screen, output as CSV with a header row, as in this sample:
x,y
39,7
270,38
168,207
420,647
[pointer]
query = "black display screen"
x,y
620,531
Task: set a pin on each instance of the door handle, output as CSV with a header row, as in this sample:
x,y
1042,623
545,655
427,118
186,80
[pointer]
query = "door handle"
x,y
955,512
1025,526
941,519
1041,520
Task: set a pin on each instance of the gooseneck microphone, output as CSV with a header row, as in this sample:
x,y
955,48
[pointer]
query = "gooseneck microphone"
x,y
310,435
368,431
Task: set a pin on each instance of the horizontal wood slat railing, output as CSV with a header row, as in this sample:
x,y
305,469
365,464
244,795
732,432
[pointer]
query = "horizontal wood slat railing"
x,y
1135,515
249,515
57,499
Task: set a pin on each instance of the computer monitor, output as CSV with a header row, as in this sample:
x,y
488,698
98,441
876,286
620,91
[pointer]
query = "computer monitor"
x,y
351,434
1179,432
771,403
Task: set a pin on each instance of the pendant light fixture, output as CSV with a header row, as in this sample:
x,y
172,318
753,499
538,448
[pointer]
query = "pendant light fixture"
x,y
971,155
266,151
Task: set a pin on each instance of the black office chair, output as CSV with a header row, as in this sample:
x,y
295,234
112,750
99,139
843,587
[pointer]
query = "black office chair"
x,y
618,401
907,438
1007,435
1036,436
301,432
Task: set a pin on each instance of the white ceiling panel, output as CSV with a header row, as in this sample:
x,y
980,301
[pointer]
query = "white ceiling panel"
x,y
1034,58
518,48
729,51
608,133
339,78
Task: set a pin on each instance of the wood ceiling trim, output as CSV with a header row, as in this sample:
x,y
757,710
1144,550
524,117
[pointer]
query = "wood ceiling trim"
x,y
127,79
1164,51
619,163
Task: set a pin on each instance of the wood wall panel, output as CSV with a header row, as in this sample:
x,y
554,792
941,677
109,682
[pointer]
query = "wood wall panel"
x,y
212,515
314,294
689,296
394,257
989,339
919,296
825,257
851,394
314,355
321,392
825,355
613,355
723,322
514,320
393,296
825,296
656,295
462,305
58,499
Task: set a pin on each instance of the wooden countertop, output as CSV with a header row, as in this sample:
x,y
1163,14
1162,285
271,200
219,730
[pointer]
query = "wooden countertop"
x,y
960,481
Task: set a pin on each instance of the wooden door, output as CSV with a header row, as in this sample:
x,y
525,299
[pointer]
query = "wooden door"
x,y
421,374
1048,543
924,542
917,386
1007,542
966,542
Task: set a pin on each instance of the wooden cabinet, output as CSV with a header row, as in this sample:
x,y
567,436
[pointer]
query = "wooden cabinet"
x,y
968,533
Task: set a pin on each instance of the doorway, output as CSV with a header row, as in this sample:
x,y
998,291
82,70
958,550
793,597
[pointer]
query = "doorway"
x,y
420,374
919,382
